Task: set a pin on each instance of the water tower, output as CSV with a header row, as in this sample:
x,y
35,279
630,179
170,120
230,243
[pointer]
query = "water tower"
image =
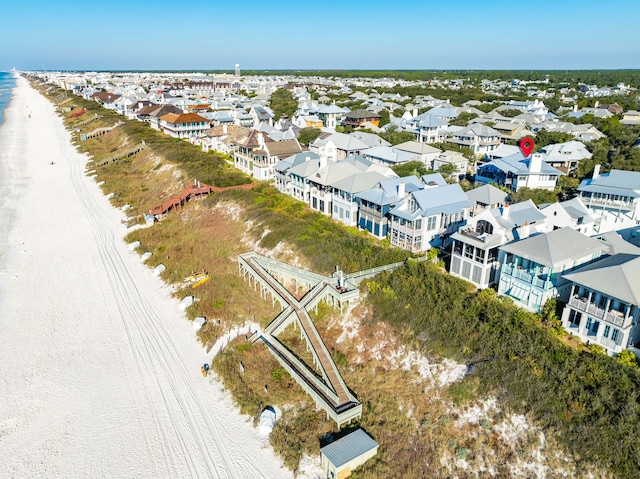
x,y
237,69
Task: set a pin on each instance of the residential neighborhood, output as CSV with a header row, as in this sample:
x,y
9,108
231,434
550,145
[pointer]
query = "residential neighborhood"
x,y
468,170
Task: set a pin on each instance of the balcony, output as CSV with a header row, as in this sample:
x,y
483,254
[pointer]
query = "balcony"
x,y
524,276
622,205
614,317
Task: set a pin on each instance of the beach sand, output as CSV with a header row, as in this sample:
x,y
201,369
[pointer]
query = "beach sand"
x,y
99,369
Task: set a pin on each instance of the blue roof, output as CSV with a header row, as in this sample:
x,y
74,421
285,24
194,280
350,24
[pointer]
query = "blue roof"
x,y
616,182
519,165
448,199
348,448
433,178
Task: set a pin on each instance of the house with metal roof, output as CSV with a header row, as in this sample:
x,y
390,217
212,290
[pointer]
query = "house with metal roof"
x,y
572,213
427,128
604,303
425,153
344,194
453,158
479,138
331,115
340,457
612,198
474,255
516,172
565,156
486,197
281,169
388,155
375,203
425,218
337,146
321,181
531,268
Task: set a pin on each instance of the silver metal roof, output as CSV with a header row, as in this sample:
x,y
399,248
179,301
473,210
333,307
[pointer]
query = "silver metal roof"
x,y
348,448
556,248
617,276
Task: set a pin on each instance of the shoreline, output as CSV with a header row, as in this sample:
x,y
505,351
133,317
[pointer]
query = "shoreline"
x,y
101,370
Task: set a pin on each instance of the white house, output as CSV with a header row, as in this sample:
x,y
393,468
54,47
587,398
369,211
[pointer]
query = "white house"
x,y
572,214
425,153
604,303
565,156
517,172
612,198
481,139
426,217
474,255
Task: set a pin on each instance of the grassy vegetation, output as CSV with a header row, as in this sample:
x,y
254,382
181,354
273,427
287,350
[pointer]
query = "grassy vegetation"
x,y
587,403
591,401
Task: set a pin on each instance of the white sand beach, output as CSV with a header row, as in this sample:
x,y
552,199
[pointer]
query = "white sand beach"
x,y
99,369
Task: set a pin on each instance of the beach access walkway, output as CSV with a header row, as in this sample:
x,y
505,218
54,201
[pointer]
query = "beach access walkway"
x,y
323,381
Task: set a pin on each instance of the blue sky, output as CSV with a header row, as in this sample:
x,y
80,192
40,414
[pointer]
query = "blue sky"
x,y
214,34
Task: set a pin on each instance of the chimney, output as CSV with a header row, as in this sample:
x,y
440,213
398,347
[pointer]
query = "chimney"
x,y
401,189
596,171
323,162
505,211
415,112
224,128
525,231
261,140
535,163
596,105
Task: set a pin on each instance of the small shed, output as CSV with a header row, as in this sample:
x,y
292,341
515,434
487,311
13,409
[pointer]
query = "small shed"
x,y
340,457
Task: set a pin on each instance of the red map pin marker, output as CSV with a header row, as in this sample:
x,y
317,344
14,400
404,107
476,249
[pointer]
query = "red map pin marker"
x,y
527,145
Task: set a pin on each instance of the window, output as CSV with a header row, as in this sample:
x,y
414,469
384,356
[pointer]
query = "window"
x,y
607,330
574,319
418,223
335,209
615,336
347,214
431,223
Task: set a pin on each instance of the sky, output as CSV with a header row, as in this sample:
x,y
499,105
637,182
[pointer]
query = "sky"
x,y
399,34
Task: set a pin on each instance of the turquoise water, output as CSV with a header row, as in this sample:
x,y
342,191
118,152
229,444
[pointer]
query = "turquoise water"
x,y
7,82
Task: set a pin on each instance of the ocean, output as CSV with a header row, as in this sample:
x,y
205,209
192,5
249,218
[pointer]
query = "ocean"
x,y
7,82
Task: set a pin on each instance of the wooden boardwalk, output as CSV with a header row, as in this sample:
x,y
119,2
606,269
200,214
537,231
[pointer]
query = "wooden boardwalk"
x,y
323,382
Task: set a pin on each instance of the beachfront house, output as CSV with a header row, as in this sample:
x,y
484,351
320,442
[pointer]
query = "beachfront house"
x,y
425,218
184,125
604,303
474,255
532,268
375,203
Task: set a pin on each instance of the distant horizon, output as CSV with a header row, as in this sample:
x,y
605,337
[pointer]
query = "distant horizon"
x,y
231,70
463,35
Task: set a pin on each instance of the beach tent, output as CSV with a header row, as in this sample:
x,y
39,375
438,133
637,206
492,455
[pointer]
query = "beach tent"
x,y
267,421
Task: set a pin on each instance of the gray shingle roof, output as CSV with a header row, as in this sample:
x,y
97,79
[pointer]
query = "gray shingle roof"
x,y
348,448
